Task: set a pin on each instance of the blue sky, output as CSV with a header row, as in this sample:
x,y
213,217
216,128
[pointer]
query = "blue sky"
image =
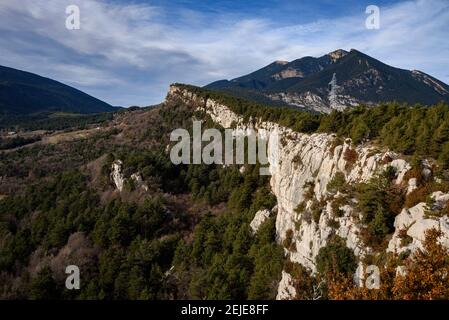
x,y
128,52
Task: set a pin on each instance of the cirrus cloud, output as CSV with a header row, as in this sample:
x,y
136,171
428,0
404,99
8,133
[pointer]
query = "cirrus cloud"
x,y
128,53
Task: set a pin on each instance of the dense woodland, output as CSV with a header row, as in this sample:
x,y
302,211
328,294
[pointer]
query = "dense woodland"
x,y
126,245
188,237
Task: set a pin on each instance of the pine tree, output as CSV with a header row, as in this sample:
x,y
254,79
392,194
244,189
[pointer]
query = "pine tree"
x,y
43,286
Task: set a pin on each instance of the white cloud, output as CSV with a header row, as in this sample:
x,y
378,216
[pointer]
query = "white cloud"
x,y
136,50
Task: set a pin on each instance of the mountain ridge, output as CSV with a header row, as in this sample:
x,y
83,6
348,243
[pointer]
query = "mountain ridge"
x,y
358,79
25,93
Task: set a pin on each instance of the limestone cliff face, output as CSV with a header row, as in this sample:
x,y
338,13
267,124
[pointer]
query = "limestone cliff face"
x,y
415,221
118,177
260,217
117,174
306,164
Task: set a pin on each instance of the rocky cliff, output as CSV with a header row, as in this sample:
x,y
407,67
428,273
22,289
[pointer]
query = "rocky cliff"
x,y
119,179
306,208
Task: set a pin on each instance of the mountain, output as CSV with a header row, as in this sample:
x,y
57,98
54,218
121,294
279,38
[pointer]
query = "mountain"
x,y
337,80
23,93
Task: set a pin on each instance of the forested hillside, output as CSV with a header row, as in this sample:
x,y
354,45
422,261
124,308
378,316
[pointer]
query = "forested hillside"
x,y
23,93
126,244
188,235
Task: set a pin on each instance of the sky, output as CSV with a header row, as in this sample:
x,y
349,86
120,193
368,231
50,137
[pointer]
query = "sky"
x,y
128,52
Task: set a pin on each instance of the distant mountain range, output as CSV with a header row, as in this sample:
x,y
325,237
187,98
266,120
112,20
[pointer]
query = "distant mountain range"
x,y
337,80
23,93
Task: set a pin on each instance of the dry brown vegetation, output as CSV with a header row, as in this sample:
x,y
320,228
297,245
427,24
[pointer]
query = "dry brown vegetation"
x,y
350,156
425,278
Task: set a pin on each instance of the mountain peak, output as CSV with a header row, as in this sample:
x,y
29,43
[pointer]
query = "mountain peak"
x,y
359,79
337,54
280,62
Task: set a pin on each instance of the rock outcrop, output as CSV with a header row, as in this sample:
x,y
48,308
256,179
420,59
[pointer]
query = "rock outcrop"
x,y
117,174
260,217
286,290
138,181
411,225
118,177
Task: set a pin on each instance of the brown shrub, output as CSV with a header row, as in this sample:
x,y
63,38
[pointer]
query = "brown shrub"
x,y
350,156
288,241
336,205
336,142
309,193
387,159
417,196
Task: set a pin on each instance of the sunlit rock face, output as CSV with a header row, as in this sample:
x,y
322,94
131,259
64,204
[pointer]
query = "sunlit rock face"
x,y
117,174
260,217
286,290
301,167
411,225
118,177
